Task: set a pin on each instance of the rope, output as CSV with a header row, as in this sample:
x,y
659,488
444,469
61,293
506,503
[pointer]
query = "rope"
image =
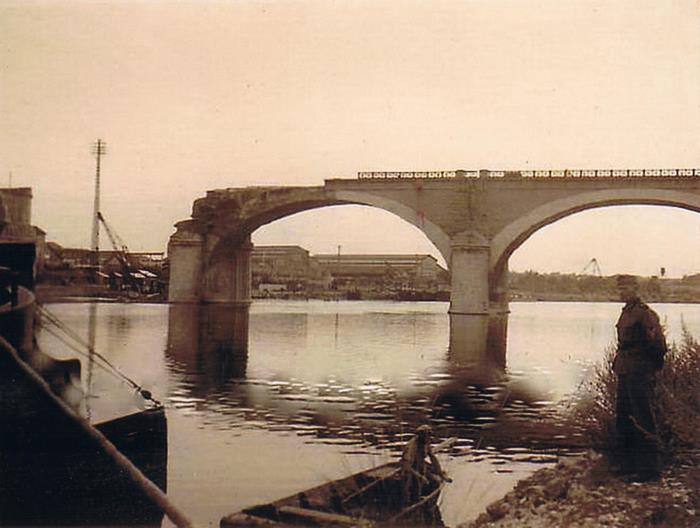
x,y
91,352
107,367
75,349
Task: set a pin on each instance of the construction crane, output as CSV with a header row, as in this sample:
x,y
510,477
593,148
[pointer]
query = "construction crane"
x,y
593,267
121,251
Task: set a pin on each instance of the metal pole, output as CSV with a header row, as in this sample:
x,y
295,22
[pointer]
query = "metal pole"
x,y
99,149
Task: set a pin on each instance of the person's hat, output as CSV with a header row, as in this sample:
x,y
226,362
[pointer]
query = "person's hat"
x,y
424,429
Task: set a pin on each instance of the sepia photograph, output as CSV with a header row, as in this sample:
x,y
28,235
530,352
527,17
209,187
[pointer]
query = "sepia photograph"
x,y
350,263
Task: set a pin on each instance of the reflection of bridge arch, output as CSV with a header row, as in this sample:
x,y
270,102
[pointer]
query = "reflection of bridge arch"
x,y
517,232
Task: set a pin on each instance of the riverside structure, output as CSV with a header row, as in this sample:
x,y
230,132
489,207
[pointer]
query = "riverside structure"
x,y
476,219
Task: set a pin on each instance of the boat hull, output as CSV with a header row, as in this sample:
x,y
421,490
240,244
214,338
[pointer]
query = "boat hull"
x,y
53,471
367,498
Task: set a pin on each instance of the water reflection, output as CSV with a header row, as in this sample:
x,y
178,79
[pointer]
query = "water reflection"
x,y
210,341
307,392
466,393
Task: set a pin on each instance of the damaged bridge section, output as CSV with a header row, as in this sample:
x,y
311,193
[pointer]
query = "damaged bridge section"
x,y
210,252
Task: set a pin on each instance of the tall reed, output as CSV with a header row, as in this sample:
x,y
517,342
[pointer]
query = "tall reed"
x,y
677,404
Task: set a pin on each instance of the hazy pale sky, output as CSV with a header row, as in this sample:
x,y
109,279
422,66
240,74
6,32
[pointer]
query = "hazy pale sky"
x,y
192,96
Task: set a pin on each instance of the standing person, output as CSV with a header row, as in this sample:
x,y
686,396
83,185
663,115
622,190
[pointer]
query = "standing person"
x,y
641,346
419,466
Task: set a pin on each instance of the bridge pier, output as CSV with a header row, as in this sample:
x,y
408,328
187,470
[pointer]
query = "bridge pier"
x,y
469,268
478,304
194,278
185,250
228,279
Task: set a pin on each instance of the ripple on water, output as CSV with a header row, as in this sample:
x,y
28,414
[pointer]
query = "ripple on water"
x,y
294,397
279,428
440,376
336,399
188,398
542,403
425,383
372,416
540,458
278,383
336,441
514,450
254,424
181,390
372,386
484,422
183,405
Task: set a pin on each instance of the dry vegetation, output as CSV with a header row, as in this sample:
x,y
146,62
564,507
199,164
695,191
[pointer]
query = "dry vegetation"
x,y
677,405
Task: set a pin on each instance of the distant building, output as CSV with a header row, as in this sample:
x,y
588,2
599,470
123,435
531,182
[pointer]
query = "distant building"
x,y
73,257
288,268
417,271
58,257
16,210
16,221
141,260
280,264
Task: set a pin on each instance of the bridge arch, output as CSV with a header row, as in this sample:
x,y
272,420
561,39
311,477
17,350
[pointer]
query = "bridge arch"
x,y
513,235
236,232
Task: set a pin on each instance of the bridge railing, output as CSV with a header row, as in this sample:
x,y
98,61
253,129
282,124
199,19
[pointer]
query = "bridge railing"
x,y
403,174
609,173
555,173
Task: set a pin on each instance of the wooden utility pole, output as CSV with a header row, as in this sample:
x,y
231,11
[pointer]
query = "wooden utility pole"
x,y
99,148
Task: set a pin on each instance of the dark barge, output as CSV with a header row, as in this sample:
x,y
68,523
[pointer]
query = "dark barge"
x,y
54,467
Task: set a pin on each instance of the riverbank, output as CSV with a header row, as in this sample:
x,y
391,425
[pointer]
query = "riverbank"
x,y
520,296
87,293
581,492
51,293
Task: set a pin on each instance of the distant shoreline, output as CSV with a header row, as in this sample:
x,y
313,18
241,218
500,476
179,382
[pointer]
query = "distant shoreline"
x,y
63,294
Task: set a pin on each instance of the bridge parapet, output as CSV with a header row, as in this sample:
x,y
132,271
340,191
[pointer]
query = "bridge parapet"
x,y
548,173
225,208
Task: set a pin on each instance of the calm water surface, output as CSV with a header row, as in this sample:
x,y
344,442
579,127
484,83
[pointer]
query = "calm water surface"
x,y
330,388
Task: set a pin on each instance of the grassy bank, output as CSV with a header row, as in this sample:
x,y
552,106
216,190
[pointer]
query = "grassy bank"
x,y
677,404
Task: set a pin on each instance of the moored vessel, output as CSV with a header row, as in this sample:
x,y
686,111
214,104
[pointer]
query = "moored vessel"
x,y
56,467
368,498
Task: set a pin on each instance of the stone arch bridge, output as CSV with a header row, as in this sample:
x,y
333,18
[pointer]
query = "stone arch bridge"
x,y
476,219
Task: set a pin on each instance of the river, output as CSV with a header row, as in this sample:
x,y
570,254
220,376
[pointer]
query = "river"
x,y
315,390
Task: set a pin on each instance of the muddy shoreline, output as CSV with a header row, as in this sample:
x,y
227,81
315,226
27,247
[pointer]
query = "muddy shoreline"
x,y
581,492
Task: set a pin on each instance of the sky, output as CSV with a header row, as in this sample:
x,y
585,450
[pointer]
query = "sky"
x,y
192,96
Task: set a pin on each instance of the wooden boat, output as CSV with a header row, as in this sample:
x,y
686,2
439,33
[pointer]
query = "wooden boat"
x,y
370,498
55,470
